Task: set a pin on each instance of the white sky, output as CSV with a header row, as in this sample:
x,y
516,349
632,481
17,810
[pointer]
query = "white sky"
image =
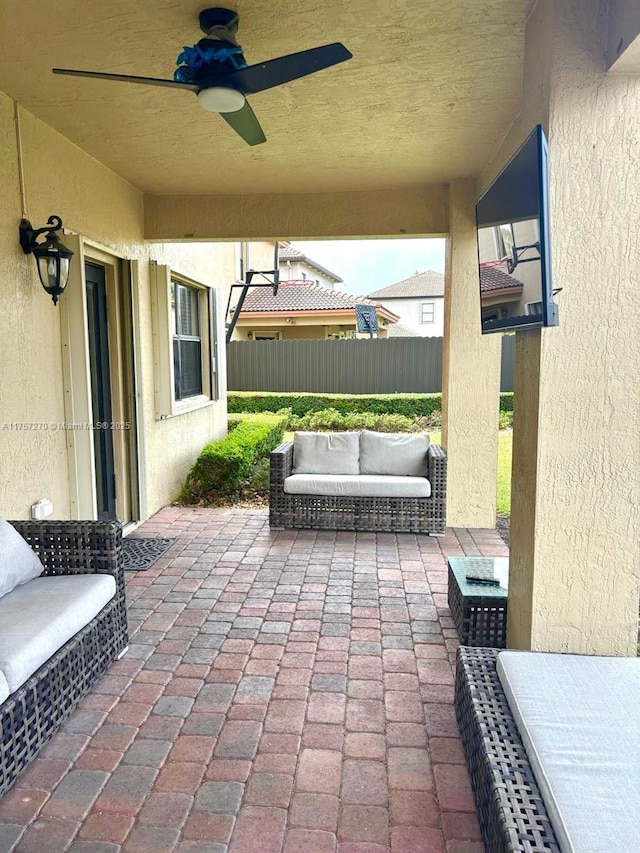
x,y
368,265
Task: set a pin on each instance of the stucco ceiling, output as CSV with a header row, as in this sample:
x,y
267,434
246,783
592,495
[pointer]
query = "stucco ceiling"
x,y
430,91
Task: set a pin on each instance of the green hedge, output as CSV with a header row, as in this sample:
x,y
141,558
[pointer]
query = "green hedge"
x,y
331,419
410,405
303,404
506,401
223,466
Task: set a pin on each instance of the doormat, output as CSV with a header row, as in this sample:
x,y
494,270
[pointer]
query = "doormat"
x,y
141,554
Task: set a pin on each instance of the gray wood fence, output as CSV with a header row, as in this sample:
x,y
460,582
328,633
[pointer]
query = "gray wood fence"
x,y
378,366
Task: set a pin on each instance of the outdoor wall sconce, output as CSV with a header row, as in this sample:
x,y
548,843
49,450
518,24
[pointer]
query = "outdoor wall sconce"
x,y
52,256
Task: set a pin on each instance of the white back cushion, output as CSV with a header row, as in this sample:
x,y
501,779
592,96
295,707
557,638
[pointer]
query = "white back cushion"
x,y
397,454
18,562
326,453
4,688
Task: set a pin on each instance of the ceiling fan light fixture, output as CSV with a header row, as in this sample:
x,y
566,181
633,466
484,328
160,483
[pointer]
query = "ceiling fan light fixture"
x,y
220,99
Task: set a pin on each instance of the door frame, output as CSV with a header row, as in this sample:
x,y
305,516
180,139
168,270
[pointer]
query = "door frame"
x,y
102,381
77,382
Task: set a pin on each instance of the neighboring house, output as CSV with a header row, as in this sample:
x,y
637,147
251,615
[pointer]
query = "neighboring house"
x,y
499,291
418,301
294,265
304,310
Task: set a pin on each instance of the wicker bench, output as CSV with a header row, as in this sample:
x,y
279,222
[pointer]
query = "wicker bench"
x,y
511,811
31,715
343,512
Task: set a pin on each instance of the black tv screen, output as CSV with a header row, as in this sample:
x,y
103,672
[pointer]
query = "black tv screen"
x,y
514,250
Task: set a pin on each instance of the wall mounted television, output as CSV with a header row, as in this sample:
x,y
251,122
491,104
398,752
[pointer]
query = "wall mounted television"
x,y
514,248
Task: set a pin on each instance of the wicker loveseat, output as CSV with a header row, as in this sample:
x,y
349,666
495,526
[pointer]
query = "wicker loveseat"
x,y
32,712
410,479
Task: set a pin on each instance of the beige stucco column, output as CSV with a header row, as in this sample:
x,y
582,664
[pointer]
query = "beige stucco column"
x,y
470,375
575,560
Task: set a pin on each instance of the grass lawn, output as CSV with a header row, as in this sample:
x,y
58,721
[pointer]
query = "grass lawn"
x,y
505,440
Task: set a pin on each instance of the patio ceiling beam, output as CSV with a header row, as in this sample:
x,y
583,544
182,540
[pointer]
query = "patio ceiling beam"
x,y
410,211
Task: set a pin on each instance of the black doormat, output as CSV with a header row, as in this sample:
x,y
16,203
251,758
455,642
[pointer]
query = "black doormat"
x,y
141,554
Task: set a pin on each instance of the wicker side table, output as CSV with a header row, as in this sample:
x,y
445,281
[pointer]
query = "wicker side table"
x,y
479,610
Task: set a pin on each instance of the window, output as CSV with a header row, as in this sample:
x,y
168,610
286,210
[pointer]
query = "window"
x,y
267,336
187,343
428,312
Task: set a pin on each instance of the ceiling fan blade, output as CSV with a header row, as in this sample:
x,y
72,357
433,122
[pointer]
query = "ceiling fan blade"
x,y
245,124
126,78
275,72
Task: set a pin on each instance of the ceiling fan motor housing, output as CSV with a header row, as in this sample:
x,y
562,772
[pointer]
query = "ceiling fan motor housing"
x,y
218,17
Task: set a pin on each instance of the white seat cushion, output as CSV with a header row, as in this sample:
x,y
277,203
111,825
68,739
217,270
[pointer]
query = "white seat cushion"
x,y
40,616
579,720
4,688
18,562
393,453
326,453
358,485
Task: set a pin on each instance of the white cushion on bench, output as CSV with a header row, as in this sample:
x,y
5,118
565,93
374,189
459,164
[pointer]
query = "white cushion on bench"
x,y
579,720
4,688
40,616
393,453
326,453
358,485
19,563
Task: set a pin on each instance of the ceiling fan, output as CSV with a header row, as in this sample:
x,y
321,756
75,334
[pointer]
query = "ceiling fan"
x,y
216,71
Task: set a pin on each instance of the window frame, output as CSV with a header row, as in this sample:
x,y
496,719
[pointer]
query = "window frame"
x,y
166,403
179,337
424,305
266,334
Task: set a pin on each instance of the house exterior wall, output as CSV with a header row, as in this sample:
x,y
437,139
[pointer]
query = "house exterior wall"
x,y
296,270
61,179
409,309
574,571
304,328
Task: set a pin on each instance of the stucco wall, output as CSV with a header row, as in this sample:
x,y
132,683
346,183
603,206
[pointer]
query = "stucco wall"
x,y
97,204
575,487
420,210
470,376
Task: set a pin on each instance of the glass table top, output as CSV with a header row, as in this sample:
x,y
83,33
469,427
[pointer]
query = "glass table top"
x,y
461,566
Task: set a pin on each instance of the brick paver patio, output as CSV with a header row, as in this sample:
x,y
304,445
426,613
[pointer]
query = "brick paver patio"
x,y
284,691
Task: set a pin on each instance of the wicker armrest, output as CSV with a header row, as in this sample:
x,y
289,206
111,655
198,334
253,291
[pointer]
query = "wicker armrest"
x,y
76,547
281,462
437,470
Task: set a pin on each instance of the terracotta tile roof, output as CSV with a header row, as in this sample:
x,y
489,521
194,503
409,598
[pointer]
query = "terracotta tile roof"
x,y
287,252
493,278
429,283
301,295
